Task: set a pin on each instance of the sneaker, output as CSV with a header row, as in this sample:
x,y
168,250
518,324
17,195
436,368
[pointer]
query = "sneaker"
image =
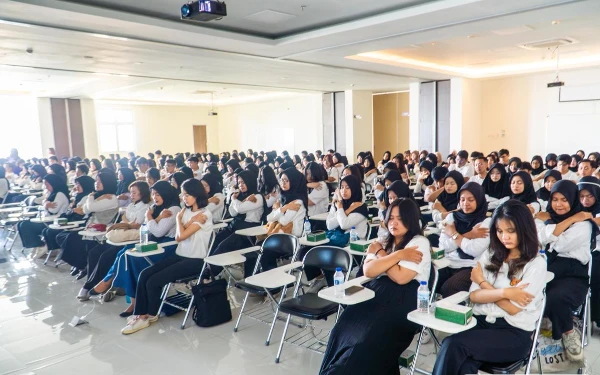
x,y
33,254
572,344
108,296
41,252
84,295
317,285
136,324
151,319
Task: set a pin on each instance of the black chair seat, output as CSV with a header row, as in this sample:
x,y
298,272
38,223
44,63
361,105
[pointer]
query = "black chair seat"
x,y
502,368
258,290
309,306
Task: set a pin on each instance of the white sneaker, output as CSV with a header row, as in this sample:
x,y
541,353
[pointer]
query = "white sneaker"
x,y
33,253
151,319
136,324
572,344
83,295
317,285
42,251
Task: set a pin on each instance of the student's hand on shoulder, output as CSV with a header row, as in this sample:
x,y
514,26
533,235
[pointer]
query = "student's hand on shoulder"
x,y
531,209
168,213
478,232
235,195
374,247
179,214
123,197
199,218
294,206
437,205
411,254
449,229
543,216
276,205
582,216
477,274
251,198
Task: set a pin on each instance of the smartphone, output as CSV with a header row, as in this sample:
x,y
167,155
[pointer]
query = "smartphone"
x,y
353,289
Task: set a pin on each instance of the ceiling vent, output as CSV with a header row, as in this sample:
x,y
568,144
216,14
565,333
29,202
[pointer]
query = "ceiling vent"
x,y
548,43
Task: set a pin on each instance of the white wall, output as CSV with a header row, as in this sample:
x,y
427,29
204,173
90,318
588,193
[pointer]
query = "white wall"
x,y
90,131
45,123
255,125
413,125
519,108
359,131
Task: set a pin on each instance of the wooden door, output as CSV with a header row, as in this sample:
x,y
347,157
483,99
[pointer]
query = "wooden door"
x,y
200,142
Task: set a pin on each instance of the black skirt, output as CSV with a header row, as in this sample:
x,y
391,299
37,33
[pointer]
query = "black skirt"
x,y
370,336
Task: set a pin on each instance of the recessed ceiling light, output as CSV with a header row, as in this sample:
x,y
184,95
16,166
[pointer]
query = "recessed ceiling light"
x,y
555,22
471,36
138,63
104,36
433,43
88,57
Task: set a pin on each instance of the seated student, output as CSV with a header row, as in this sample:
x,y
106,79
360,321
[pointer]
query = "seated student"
x,y
447,201
176,180
152,176
589,196
193,233
424,180
268,187
566,232
318,193
95,167
586,168
369,337
506,292
339,162
142,164
160,219
58,170
194,163
370,170
387,156
514,164
56,203
521,187
396,190
564,161
246,208
388,178
103,206
462,165
357,172
537,165
464,237
70,168
126,178
4,185
229,179
84,186
214,190
333,173
101,257
495,185
433,191
543,194
481,169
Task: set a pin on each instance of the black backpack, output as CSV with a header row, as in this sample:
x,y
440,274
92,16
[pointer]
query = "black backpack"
x,y
211,306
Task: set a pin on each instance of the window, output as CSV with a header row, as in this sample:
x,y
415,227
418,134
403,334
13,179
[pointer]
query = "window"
x,y
20,112
116,132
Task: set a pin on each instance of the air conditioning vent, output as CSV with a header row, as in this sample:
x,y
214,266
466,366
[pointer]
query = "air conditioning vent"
x,y
548,43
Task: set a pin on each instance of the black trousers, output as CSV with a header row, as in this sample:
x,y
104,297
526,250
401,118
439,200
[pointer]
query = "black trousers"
x,y
453,280
595,287
231,243
153,279
50,238
100,259
75,248
30,234
463,353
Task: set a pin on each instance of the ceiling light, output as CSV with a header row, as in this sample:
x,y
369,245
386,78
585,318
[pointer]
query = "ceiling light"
x,y
88,57
555,22
15,23
138,63
471,36
433,43
104,36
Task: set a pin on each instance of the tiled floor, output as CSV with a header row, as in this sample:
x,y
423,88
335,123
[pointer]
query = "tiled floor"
x,y
37,302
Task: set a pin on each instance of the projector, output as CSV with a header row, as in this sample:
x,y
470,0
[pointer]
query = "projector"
x,y
204,10
212,113
556,84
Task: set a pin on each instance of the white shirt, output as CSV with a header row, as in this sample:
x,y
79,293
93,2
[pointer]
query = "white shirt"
x,y
166,226
296,217
370,179
196,246
62,204
136,212
320,199
572,243
4,188
422,269
474,247
103,210
534,274
338,219
477,179
252,210
466,170
335,173
570,175
217,209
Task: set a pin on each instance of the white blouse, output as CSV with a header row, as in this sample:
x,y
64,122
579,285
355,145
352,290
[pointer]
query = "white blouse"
x,y
217,209
337,218
62,204
166,226
320,199
136,212
253,210
422,269
474,247
296,217
572,243
196,246
534,274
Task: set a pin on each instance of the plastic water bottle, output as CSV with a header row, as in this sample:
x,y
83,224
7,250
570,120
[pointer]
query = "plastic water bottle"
x,y
423,298
144,234
338,280
307,228
543,254
353,235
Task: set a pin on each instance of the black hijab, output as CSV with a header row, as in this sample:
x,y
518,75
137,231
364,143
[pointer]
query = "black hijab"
x,y
168,194
392,175
465,222
578,159
543,193
429,166
39,172
297,190
58,186
514,160
450,201
252,167
591,184
355,188
109,184
250,179
87,187
128,179
179,178
400,188
549,157
439,173
569,190
234,164
528,195
498,189
59,170
187,171
433,158
213,182
391,166
539,170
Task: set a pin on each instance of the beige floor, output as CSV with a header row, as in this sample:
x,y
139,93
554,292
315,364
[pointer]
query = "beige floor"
x,y
37,302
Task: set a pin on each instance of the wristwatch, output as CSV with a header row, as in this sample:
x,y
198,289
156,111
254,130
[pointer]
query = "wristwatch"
x,y
454,236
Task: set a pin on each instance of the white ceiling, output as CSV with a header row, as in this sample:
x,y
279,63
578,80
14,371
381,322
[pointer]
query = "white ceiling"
x,y
330,46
